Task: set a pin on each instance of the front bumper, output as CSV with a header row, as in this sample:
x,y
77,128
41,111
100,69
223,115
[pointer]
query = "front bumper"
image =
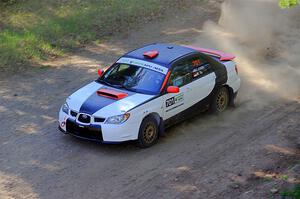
x,y
89,132
100,132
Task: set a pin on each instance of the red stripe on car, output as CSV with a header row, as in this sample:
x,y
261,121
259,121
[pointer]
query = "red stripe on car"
x,y
165,81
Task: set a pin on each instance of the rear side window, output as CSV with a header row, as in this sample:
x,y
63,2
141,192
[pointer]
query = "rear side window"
x,y
200,67
181,74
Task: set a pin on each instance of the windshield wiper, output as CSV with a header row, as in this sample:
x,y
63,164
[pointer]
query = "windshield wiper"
x,y
115,85
105,82
126,87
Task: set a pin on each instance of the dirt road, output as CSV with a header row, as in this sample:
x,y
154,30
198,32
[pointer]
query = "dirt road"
x,y
242,153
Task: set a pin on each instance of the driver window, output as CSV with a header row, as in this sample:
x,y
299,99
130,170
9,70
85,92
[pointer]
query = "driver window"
x,y
122,70
181,74
123,67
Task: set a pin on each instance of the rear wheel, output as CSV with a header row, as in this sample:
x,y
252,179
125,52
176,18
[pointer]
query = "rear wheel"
x,y
220,101
148,132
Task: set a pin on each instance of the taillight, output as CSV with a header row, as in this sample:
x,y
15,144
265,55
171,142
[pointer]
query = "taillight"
x,y
236,69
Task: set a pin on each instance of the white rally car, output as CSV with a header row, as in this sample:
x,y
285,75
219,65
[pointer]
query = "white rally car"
x,y
149,89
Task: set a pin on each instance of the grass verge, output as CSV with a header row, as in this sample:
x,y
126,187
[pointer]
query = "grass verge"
x,y
34,30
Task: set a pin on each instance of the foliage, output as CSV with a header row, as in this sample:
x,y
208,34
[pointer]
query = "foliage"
x,y
288,3
9,2
293,194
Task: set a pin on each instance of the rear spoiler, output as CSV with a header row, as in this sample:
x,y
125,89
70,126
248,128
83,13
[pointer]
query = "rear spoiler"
x,y
216,53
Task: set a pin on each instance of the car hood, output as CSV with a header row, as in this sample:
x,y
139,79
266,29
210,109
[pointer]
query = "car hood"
x,y
104,101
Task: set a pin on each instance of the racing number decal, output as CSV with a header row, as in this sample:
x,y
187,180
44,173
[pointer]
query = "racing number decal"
x,y
174,100
170,101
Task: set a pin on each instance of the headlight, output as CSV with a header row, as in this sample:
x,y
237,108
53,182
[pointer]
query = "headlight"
x,y
65,108
118,119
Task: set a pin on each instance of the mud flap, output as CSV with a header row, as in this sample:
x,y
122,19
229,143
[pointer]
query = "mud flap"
x,y
232,97
161,128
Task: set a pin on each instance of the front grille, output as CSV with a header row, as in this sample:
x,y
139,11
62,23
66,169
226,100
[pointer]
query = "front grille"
x,y
84,118
73,113
99,119
87,132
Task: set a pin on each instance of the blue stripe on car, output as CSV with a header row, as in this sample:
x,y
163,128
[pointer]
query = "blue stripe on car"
x,y
94,103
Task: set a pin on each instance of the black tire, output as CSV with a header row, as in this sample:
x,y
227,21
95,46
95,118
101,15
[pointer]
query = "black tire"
x,y
220,101
148,133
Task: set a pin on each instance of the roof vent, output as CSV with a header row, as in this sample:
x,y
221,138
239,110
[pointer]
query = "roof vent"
x,y
151,54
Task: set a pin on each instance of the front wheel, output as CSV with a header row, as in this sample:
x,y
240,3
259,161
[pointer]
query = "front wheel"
x,y
220,101
148,133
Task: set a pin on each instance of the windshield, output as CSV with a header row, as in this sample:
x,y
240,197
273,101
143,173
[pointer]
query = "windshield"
x,y
133,78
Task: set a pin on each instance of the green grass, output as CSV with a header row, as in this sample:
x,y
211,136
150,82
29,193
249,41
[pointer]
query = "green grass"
x,y
292,194
284,177
34,30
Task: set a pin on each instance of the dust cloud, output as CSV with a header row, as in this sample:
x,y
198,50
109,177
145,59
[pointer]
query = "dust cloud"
x,y
266,41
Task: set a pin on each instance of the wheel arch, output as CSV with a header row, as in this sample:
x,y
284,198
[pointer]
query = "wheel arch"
x,y
159,120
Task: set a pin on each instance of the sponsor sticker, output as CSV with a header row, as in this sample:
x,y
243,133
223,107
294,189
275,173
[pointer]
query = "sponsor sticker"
x,y
144,64
174,100
200,70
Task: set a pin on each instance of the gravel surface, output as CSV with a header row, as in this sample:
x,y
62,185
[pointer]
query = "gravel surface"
x,y
210,156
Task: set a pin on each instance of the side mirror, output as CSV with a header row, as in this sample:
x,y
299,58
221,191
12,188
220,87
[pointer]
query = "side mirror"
x,y
100,72
173,89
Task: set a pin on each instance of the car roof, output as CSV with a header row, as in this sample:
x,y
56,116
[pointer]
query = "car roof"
x,y
167,53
